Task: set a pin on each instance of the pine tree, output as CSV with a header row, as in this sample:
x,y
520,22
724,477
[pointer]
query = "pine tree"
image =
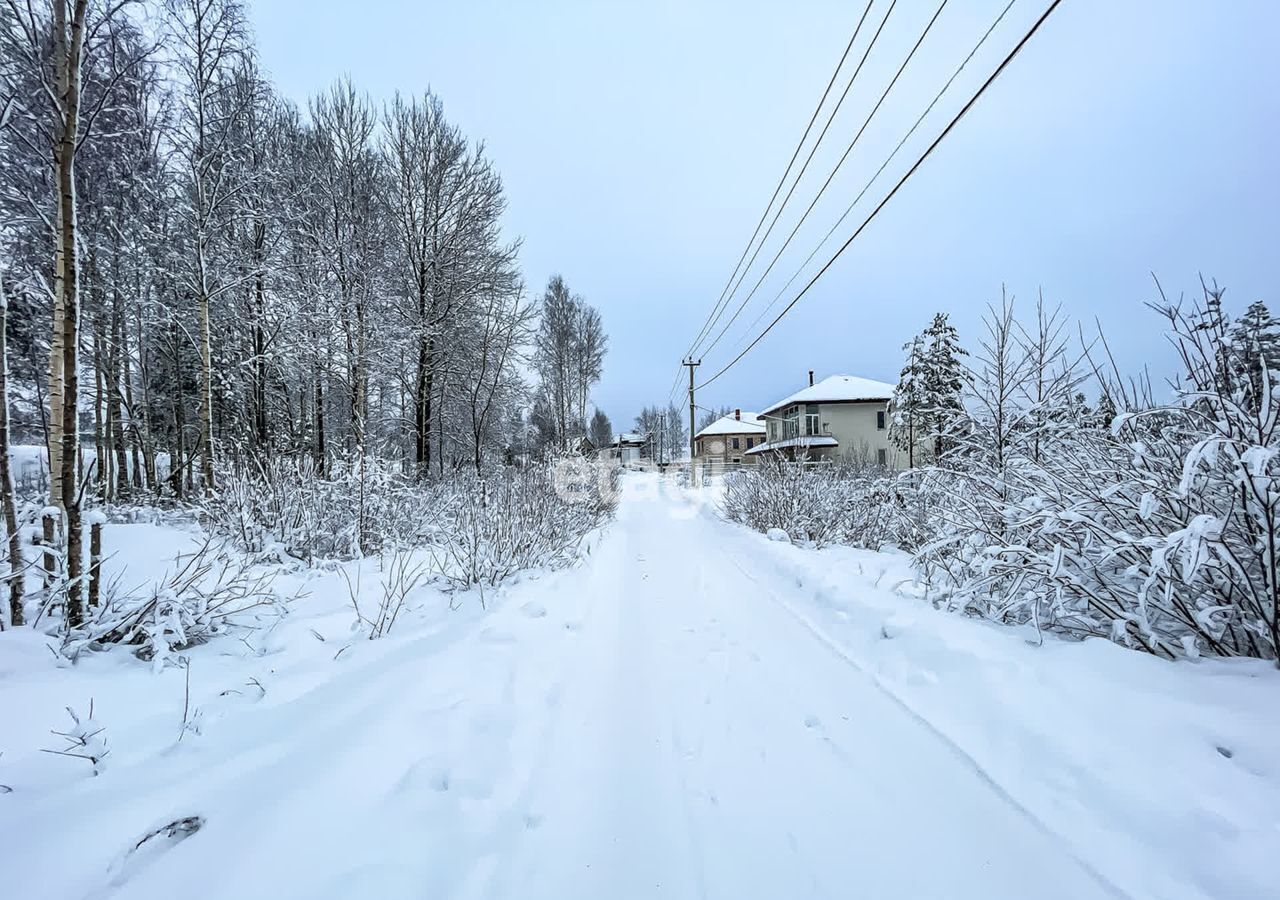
x,y
908,399
1254,344
1105,413
942,380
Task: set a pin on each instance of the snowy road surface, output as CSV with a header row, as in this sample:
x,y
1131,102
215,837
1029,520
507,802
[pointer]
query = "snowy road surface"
x,y
705,743
676,717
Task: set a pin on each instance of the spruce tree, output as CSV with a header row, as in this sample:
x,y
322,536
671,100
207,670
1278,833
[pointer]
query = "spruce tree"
x,y
1254,344
1105,413
908,401
942,381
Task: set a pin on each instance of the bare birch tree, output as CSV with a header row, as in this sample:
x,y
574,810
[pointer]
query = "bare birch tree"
x,y
210,40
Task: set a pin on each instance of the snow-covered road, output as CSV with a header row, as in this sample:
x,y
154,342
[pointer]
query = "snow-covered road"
x,y
704,742
693,712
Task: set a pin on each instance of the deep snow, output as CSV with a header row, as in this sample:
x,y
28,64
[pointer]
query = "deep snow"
x,y
695,711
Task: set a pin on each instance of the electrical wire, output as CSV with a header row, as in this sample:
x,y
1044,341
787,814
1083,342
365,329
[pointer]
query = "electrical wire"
x,y
954,75
786,243
903,180
730,288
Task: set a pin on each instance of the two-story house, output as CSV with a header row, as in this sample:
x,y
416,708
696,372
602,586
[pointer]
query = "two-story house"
x,y
728,438
839,417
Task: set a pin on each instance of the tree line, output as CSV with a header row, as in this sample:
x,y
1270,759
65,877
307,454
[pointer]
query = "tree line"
x,y
200,273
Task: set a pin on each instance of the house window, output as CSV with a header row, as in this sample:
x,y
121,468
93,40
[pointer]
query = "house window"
x,y
882,456
791,422
773,429
750,442
735,443
811,418
880,416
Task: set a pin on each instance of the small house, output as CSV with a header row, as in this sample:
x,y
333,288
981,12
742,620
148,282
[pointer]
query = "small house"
x,y
628,448
727,439
841,416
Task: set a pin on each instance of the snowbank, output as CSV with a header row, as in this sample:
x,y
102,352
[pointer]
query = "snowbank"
x,y
1166,776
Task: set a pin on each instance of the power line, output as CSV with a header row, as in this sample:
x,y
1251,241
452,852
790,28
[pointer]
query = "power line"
x,y
938,140
884,165
830,177
707,325
730,287
716,309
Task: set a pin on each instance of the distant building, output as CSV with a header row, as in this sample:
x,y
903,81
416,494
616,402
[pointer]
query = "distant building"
x,y
727,439
628,448
841,416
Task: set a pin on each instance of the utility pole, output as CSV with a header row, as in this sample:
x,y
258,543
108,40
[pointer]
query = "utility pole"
x,y
692,364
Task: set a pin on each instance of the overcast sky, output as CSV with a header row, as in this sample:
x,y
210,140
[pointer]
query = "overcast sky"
x,y
639,143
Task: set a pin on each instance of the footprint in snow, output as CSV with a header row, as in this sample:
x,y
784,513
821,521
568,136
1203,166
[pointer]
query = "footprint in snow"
x,y
812,722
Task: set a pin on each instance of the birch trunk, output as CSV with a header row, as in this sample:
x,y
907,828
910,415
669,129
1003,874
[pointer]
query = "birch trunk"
x,y
16,576
206,371
116,444
68,245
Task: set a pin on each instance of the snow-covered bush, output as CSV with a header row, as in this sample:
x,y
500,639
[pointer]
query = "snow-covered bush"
x,y
1161,532
782,495
822,502
207,594
1158,528
477,528
282,508
401,572
523,518
85,739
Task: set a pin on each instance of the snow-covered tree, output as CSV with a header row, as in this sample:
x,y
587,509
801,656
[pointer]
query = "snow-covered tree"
x,y
202,278
941,382
600,431
906,407
1254,347
569,357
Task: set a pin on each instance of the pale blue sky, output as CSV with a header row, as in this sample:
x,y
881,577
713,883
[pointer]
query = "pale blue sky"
x,y
640,141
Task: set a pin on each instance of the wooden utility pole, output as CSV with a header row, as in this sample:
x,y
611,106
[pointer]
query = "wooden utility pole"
x,y
692,364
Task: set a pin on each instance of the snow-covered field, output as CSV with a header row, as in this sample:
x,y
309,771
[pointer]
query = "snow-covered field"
x,y
696,711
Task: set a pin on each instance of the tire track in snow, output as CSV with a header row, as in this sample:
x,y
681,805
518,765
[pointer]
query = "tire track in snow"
x,y
840,652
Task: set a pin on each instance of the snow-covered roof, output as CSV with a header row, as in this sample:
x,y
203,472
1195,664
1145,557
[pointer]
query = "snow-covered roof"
x,y
837,389
817,440
749,424
632,437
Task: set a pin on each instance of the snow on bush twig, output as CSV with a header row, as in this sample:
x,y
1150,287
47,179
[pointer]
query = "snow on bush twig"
x,y
207,594
1158,528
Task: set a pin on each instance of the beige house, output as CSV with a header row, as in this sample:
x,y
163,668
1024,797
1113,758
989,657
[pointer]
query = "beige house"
x,y
842,416
727,439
